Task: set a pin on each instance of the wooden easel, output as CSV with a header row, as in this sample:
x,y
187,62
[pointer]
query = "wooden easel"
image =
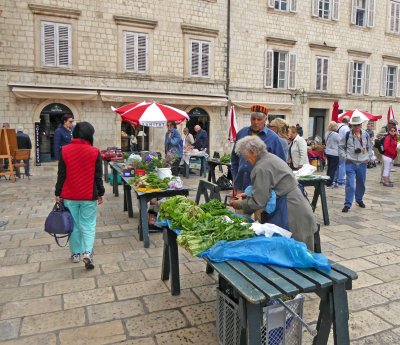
x,y
8,144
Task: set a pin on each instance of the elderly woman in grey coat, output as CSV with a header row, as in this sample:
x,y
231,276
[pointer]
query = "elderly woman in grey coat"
x,y
270,173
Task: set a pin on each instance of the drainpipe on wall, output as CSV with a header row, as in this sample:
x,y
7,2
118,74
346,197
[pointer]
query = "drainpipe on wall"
x,y
228,46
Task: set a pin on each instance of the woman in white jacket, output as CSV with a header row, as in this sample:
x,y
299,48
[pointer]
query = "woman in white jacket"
x,y
297,150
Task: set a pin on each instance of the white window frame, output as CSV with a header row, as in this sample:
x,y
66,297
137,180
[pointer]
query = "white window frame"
x,y
291,5
60,44
202,54
394,17
286,68
359,77
390,88
322,75
135,51
369,15
332,13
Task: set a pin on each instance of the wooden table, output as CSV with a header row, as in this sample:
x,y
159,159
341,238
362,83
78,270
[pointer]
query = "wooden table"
x,y
212,164
319,191
143,199
257,284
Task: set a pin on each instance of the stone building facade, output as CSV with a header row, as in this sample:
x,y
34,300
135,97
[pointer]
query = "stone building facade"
x,y
297,57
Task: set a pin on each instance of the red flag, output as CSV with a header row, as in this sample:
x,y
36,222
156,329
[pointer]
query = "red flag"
x,y
335,111
390,114
233,127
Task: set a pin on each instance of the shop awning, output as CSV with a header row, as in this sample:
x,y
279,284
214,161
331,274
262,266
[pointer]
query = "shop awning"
x,y
270,105
130,97
57,93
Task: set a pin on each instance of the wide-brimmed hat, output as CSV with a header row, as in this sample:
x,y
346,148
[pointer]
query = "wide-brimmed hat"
x,y
356,120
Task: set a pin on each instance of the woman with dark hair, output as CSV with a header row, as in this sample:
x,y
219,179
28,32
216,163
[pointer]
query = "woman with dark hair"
x,y
63,134
81,189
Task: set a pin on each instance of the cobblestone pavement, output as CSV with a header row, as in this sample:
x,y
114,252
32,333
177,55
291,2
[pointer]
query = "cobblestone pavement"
x,y
45,299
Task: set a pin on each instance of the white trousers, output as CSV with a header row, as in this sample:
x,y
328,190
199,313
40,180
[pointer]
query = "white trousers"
x,y
387,165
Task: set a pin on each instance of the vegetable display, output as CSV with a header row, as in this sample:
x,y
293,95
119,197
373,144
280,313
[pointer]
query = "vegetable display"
x,y
201,229
225,158
149,181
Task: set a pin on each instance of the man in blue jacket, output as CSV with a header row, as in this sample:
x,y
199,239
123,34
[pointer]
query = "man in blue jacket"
x,y
63,134
201,142
240,168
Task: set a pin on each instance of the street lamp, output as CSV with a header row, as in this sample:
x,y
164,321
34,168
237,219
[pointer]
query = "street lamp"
x,y
303,95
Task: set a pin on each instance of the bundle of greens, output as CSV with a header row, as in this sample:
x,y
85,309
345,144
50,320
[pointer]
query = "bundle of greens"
x,y
150,180
202,227
225,158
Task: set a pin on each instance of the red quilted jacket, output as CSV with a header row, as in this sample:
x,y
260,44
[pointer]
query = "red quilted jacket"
x,y
79,172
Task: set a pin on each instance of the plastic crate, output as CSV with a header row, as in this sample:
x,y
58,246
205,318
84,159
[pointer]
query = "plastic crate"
x,y
279,326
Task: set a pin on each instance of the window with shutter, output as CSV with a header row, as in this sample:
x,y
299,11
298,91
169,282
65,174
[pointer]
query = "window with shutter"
x,y
398,82
383,81
194,58
321,81
335,9
269,63
367,78
394,19
293,6
315,8
361,12
390,81
292,71
350,77
358,78
56,44
135,52
371,13
200,52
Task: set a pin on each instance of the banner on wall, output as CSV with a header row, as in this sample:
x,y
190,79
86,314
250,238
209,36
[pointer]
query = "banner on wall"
x,y
37,143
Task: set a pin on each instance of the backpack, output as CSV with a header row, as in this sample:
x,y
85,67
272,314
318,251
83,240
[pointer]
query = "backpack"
x,y
379,144
367,145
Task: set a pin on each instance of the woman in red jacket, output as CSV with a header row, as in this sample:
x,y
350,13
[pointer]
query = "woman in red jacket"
x,y
80,186
390,154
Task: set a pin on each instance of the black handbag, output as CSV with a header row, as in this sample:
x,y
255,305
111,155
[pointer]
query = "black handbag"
x,y
224,183
59,223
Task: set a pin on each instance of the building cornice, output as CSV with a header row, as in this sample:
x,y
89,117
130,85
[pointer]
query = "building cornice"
x,y
137,22
54,11
197,30
391,58
280,41
361,53
323,46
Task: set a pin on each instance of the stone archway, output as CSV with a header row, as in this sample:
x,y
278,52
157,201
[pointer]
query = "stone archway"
x,y
42,105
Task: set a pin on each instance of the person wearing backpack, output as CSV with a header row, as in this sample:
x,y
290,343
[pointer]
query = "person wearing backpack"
x,y
389,155
355,150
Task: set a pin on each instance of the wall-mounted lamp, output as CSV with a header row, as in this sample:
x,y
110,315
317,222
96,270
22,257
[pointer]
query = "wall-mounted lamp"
x,y
303,95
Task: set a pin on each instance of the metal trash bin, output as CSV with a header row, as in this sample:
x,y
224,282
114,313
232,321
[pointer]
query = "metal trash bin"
x,y
279,326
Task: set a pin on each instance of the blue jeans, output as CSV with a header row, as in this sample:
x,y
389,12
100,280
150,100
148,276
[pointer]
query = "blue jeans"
x,y
84,213
341,177
357,172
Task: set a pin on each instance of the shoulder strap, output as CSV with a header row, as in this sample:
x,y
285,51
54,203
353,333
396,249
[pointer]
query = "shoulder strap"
x,y
347,138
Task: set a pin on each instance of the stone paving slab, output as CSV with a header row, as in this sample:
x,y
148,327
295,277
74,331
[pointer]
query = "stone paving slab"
x,y
47,300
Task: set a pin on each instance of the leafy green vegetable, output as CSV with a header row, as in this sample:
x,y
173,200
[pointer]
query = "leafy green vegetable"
x,y
225,158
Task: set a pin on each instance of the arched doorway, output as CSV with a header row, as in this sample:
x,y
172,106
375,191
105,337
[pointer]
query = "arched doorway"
x,y
50,119
198,116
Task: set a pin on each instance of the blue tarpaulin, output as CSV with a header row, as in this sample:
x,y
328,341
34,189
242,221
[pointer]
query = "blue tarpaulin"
x,y
281,251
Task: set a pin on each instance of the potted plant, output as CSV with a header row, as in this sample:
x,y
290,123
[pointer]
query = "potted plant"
x,y
164,165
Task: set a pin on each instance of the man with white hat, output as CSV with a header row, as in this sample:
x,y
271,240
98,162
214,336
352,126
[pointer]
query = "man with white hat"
x,y
355,149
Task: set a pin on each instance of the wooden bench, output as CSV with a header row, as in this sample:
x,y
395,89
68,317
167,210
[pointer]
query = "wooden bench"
x,y
319,191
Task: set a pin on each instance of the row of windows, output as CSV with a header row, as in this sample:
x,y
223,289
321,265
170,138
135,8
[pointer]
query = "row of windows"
x,y
280,66
362,13
280,72
56,50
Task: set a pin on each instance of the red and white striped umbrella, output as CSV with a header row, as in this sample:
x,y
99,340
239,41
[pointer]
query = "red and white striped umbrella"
x,y
151,114
363,114
390,114
233,127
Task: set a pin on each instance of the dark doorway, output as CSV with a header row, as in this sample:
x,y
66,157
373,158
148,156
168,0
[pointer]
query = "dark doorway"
x,y
198,116
316,124
127,130
50,119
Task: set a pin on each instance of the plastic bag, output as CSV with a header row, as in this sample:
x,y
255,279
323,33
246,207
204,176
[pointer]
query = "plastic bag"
x,y
270,206
306,169
279,251
175,183
269,230
224,183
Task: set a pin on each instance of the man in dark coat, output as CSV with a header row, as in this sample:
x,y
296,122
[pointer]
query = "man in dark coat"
x,y
201,142
23,142
63,134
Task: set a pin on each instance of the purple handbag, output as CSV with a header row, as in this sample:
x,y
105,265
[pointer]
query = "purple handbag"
x,y
59,223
